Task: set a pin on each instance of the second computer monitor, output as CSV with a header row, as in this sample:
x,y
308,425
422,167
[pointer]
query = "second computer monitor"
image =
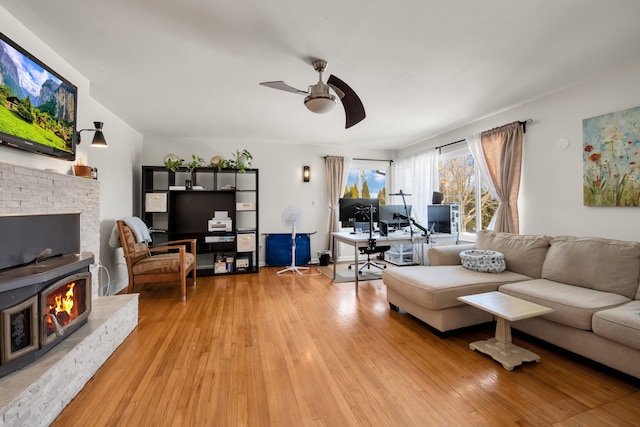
x,y
395,213
393,217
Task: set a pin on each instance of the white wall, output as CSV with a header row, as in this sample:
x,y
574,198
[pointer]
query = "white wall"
x,y
281,185
550,199
118,171
116,164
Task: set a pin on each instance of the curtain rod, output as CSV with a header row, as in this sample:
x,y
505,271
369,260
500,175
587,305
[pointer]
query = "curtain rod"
x,y
522,123
374,160
368,160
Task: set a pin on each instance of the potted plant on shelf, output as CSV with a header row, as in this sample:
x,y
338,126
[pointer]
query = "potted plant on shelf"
x,y
80,169
241,161
173,164
196,162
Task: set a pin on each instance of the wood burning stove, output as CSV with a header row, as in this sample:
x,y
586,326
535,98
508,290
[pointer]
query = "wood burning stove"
x,y
63,305
42,301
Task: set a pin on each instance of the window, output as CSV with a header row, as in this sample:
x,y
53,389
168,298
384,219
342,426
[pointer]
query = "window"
x,y
460,182
366,183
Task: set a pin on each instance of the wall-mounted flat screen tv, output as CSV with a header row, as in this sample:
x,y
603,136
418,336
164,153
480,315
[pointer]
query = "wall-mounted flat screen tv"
x,y
37,105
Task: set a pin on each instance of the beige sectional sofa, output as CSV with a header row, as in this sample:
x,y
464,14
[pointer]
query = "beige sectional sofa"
x,y
592,284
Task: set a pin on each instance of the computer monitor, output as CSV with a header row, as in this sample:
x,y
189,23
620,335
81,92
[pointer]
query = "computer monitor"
x,y
394,213
362,227
439,218
393,217
352,210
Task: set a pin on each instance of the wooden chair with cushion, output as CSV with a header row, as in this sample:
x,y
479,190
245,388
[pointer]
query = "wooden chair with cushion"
x,y
172,261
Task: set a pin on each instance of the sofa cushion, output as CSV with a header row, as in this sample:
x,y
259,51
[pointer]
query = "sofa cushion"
x,y
438,287
620,324
591,262
523,254
572,305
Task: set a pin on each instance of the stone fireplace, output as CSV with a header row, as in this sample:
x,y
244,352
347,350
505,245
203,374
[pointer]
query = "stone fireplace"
x,y
25,191
45,285
35,394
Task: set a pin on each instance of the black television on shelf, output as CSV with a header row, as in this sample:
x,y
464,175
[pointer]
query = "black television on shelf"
x,y
37,105
354,210
191,210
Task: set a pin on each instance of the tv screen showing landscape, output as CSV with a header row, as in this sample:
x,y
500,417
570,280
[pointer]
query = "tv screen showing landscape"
x,y
37,105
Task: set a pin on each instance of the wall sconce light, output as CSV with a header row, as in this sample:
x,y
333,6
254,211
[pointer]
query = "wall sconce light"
x,y
98,137
306,173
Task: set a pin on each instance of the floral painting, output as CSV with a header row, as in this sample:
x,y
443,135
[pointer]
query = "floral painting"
x,y
611,157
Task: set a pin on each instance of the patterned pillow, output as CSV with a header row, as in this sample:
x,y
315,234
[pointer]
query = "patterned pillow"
x,y
483,261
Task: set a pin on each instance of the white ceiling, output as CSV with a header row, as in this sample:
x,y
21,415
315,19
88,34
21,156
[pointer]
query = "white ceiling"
x,y
191,68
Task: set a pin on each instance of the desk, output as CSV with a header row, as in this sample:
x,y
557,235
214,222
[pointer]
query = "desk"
x,y
362,241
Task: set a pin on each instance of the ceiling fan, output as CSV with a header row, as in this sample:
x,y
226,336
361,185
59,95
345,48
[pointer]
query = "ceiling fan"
x,y
319,98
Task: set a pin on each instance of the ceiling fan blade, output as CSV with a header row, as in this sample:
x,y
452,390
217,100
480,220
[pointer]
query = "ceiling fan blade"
x,y
283,86
353,108
337,91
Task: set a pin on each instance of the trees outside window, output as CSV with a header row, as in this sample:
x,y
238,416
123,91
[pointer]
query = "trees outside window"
x,y
460,182
367,183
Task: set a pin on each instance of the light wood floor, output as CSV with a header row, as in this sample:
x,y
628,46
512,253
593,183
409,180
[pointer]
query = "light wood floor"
x,y
281,350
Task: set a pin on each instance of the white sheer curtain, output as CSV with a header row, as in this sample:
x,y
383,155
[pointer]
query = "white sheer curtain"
x,y
475,146
416,175
348,161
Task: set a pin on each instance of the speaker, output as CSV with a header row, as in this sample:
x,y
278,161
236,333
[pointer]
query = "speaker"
x,y
437,198
455,219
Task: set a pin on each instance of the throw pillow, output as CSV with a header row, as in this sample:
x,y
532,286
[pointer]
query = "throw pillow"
x,y
483,261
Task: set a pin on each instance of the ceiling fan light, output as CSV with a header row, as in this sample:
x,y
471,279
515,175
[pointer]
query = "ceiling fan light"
x,y
320,104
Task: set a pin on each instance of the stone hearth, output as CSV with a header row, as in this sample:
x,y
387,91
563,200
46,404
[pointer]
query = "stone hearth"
x,y
37,394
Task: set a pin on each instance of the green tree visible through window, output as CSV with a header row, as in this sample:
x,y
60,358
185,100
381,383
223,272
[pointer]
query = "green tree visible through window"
x,y
366,183
458,182
365,191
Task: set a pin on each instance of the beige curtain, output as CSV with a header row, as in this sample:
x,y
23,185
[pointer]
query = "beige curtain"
x,y
502,149
334,167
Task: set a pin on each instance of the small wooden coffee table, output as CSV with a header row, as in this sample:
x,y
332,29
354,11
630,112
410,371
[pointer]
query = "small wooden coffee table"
x,y
507,309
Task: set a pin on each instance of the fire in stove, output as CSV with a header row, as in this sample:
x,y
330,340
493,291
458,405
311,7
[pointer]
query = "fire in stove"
x,y
63,304
60,308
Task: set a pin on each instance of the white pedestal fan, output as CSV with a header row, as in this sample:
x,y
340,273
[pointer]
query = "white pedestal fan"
x,y
292,217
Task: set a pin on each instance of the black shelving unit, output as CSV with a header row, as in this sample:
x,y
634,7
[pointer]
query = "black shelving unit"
x,y
220,212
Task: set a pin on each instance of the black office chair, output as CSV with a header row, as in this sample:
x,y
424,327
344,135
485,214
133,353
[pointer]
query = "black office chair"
x,y
369,250
372,247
